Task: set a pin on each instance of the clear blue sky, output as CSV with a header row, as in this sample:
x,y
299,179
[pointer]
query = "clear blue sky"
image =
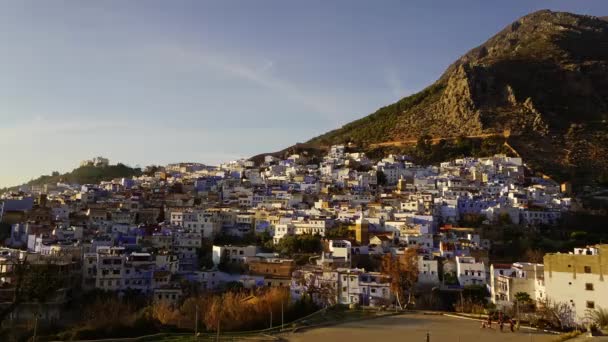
x,y
146,82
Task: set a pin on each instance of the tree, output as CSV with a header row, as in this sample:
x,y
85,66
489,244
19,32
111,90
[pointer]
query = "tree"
x,y
305,243
504,219
164,313
598,316
340,232
381,177
534,255
557,314
403,270
317,287
34,282
521,298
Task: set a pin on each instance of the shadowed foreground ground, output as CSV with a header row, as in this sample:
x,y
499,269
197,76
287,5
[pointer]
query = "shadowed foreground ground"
x,y
413,327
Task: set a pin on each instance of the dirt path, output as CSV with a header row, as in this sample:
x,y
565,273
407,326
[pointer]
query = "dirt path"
x,y
414,327
435,140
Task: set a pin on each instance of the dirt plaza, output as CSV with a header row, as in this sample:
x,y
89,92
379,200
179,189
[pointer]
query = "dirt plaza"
x,y
414,327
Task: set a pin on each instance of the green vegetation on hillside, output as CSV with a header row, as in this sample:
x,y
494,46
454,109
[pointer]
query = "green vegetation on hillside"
x,y
537,79
86,175
512,243
379,125
427,153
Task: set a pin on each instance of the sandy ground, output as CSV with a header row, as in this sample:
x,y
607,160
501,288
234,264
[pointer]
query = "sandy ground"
x,y
414,327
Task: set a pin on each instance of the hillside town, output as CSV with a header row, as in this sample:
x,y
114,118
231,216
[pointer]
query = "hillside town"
x,y
338,229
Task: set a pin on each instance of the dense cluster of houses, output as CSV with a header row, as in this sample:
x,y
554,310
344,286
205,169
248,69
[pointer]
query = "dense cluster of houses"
x,y
151,233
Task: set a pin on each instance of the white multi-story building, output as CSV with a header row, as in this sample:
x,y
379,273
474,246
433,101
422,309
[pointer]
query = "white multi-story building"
x,y
311,226
525,277
281,230
341,249
578,278
428,271
110,268
469,271
342,286
232,253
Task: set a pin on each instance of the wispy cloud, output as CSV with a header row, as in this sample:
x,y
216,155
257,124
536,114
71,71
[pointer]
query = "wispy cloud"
x,y
262,73
40,125
395,84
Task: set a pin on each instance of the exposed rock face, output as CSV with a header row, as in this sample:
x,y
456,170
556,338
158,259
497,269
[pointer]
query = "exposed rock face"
x,y
456,106
536,78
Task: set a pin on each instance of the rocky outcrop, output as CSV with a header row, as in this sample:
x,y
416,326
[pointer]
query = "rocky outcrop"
x,y
535,78
456,107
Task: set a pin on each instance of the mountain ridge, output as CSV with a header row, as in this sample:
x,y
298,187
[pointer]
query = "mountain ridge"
x,y
542,80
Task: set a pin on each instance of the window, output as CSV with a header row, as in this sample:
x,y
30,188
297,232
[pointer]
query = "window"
x,y
590,304
589,286
587,269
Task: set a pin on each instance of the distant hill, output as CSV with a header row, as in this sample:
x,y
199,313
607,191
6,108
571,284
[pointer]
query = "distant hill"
x,y
87,175
543,80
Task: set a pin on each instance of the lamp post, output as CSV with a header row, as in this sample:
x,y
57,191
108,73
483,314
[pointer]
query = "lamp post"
x,y
196,321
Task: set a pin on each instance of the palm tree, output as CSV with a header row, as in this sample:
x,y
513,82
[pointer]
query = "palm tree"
x,y
523,298
598,316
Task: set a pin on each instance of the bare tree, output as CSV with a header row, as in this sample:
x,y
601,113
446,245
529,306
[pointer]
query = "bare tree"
x,y
318,287
558,314
30,282
403,270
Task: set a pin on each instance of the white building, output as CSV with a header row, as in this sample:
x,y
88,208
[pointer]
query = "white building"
x,y
232,253
341,249
428,271
311,226
525,277
578,279
342,286
469,271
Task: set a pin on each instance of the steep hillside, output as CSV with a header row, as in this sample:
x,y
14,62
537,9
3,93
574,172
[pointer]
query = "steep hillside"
x,y
543,79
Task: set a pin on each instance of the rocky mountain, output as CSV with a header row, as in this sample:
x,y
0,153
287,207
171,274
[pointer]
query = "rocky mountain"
x,y
543,80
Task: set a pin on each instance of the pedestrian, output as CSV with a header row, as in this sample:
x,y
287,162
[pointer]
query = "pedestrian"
x,y
502,324
512,325
490,321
